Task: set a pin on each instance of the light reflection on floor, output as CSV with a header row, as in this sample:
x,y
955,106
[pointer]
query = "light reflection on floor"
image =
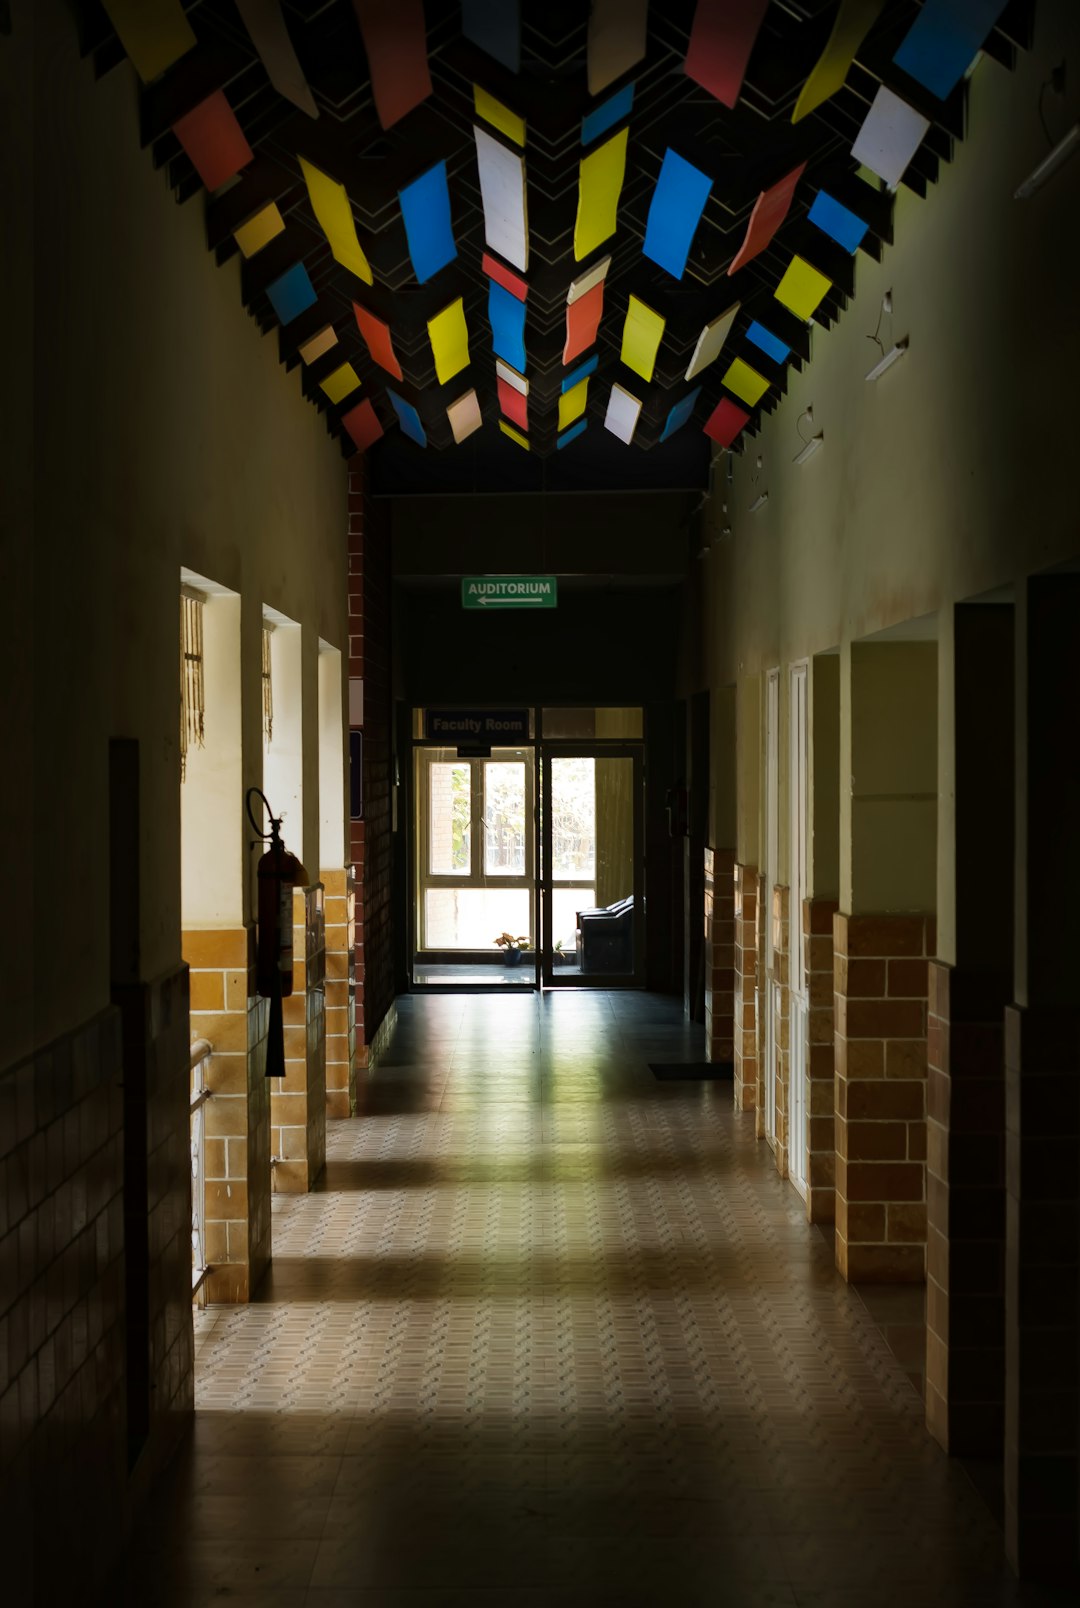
x,y
553,1332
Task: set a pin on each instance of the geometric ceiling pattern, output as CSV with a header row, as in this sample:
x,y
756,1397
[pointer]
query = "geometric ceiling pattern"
x,y
544,221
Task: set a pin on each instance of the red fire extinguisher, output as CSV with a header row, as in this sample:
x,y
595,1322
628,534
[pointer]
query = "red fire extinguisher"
x,y
278,873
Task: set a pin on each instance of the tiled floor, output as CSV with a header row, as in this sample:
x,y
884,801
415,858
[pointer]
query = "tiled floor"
x,y
554,1333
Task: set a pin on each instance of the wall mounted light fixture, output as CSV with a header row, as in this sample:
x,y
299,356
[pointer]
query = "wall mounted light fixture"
x,y
810,443
1065,147
887,360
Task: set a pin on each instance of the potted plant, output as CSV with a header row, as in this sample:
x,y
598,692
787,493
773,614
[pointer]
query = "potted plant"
x,y
561,957
512,947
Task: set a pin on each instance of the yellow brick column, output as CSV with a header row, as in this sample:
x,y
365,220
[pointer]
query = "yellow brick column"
x,y
745,880
226,1011
298,1100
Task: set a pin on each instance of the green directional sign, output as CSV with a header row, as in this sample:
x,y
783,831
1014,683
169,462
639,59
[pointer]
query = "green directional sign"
x,y
509,592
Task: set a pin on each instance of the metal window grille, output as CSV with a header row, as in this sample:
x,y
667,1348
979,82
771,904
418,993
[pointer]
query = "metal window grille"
x,y
267,687
192,675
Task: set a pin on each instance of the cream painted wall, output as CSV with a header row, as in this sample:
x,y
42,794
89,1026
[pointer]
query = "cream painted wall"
x,y
890,861
211,830
166,434
951,475
332,741
823,777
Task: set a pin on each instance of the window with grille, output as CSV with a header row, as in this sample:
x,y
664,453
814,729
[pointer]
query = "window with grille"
x,y
267,687
192,675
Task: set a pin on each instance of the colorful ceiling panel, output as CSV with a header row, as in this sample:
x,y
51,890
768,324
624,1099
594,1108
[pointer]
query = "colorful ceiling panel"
x,y
643,331
425,212
721,40
155,33
395,38
449,337
600,182
265,23
675,212
944,40
377,149
618,38
333,213
853,22
770,210
494,25
502,187
213,140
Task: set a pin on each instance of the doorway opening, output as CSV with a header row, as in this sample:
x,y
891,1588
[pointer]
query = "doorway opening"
x,y
527,859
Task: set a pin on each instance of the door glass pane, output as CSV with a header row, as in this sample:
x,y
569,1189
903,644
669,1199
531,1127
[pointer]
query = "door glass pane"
x,y
450,814
472,918
565,904
573,819
607,937
505,824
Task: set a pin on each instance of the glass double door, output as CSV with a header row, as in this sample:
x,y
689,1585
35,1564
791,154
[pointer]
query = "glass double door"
x,y
591,866
528,867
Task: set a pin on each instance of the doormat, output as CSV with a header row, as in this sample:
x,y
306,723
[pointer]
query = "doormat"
x,y
677,1071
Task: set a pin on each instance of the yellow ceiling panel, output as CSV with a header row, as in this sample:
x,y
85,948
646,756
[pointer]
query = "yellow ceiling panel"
x,y
340,383
746,382
801,288
600,180
449,337
259,230
499,116
642,334
515,435
330,204
155,33
572,403
853,22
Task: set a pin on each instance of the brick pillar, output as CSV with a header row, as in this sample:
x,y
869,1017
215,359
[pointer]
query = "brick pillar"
x,y
779,974
340,1002
226,1011
880,965
744,1016
817,935
965,1249
719,955
298,1100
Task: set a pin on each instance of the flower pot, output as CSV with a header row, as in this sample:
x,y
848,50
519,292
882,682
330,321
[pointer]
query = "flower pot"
x,y
512,955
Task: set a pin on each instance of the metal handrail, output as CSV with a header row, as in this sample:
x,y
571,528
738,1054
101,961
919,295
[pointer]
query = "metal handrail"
x,y
200,1050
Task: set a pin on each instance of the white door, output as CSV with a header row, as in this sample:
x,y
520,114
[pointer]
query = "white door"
x,y
799,998
768,994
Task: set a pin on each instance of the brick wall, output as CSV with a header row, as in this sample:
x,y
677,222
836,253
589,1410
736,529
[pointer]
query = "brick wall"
x,y
745,908
298,1100
340,913
880,975
719,955
965,1271
64,1276
371,839
226,1011
817,936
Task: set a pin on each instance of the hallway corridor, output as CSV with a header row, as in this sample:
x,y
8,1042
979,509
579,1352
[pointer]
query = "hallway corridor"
x,y
553,1331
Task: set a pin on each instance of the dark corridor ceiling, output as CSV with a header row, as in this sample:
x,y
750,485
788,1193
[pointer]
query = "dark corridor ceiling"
x,y
741,150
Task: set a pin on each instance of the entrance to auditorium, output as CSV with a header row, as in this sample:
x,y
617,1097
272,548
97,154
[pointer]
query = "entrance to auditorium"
x,y
527,855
